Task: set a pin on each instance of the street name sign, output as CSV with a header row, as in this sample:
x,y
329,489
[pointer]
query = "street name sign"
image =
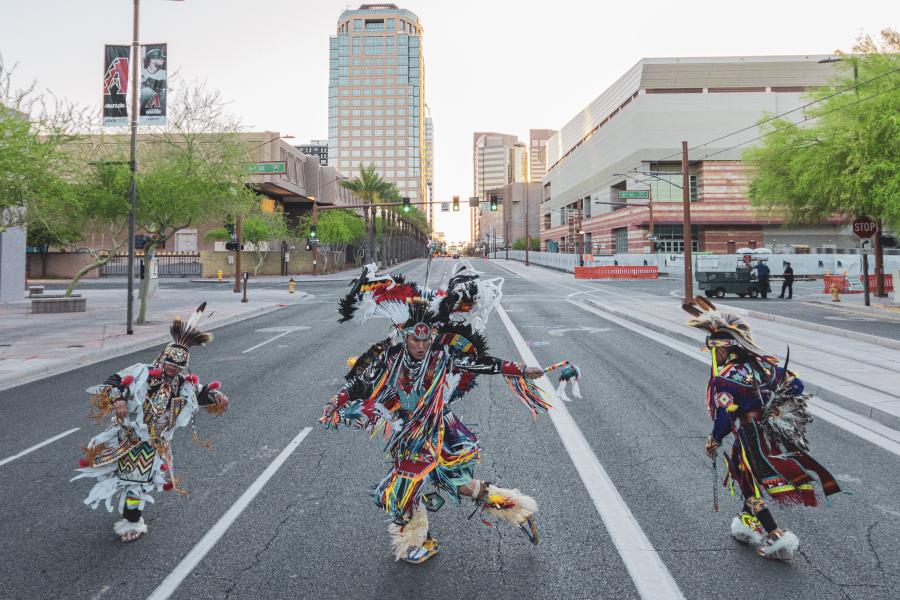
x,y
634,194
864,227
267,167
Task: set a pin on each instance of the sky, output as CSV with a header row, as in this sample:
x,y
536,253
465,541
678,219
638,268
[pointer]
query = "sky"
x,y
490,65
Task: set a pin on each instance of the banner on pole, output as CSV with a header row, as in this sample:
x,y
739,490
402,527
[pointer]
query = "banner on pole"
x,y
115,85
153,85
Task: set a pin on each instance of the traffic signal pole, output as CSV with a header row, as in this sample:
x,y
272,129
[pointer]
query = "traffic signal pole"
x,y
315,241
237,253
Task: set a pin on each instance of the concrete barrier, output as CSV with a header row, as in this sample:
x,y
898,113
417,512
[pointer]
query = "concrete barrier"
x,y
61,304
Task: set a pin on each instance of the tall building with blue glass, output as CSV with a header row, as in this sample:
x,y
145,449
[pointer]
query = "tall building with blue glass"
x,y
376,96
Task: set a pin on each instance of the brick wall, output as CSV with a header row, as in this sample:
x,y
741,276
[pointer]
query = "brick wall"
x,y
715,239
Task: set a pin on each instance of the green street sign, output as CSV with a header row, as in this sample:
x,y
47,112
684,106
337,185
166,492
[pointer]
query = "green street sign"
x,y
266,167
635,194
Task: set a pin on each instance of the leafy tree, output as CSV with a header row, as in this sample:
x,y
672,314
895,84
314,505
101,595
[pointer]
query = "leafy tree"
x,y
88,214
520,243
336,229
33,129
259,229
190,173
847,160
371,189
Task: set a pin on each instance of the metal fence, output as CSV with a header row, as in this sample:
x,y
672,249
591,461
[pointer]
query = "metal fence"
x,y
182,264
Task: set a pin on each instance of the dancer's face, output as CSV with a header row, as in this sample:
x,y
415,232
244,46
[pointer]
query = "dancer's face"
x,y
171,370
417,348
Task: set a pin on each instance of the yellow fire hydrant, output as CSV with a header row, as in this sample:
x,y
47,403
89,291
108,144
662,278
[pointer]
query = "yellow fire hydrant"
x,y
292,285
220,275
835,292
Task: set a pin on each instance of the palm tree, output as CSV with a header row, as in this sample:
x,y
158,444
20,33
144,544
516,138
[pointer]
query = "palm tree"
x,y
370,188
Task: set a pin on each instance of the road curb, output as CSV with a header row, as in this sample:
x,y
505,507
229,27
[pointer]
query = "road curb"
x,y
102,354
854,406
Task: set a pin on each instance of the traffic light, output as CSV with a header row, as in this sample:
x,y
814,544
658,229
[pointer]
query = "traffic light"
x,y
233,246
406,205
313,234
493,203
229,225
308,245
888,241
456,203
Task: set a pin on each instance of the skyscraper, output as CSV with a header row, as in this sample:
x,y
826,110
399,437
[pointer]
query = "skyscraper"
x,y
537,152
497,160
429,167
376,97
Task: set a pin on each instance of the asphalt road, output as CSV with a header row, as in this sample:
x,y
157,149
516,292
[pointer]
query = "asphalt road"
x,y
314,532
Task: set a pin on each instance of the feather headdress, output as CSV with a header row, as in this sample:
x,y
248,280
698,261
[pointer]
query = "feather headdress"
x,y
469,299
185,335
373,296
717,321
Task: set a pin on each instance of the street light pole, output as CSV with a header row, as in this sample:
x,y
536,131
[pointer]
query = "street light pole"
x,y
135,59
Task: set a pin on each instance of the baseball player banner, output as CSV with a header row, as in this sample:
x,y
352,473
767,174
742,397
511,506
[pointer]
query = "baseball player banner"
x,y
115,85
153,85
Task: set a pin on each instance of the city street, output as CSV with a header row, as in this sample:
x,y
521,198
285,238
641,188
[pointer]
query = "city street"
x,y
282,508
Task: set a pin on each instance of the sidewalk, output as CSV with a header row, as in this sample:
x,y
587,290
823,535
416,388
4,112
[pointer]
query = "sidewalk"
x,y
857,374
34,346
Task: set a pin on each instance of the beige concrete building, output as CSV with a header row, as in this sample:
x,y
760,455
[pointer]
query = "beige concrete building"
x,y
629,138
376,96
537,153
498,159
287,180
516,201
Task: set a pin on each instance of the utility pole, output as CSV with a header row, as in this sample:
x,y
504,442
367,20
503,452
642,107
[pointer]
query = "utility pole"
x,y
135,61
879,264
688,238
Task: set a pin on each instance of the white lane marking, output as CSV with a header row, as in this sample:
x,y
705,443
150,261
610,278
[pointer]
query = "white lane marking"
x,y
193,558
36,446
560,332
866,429
651,577
284,331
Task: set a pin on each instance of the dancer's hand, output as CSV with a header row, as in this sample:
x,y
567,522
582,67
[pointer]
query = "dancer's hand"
x,y
221,400
120,407
533,372
711,446
328,410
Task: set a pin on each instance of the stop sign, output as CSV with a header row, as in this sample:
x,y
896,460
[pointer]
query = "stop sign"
x,y
864,227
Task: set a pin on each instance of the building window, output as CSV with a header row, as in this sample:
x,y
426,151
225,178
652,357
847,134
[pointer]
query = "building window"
x,y
670,238
620,240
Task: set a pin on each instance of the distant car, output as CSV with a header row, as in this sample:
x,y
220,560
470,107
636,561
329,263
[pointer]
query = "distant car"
x,y
456,255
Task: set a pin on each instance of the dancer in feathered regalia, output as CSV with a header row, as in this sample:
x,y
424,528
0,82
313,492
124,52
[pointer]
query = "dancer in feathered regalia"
x,y
763,405
406,384
146,403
